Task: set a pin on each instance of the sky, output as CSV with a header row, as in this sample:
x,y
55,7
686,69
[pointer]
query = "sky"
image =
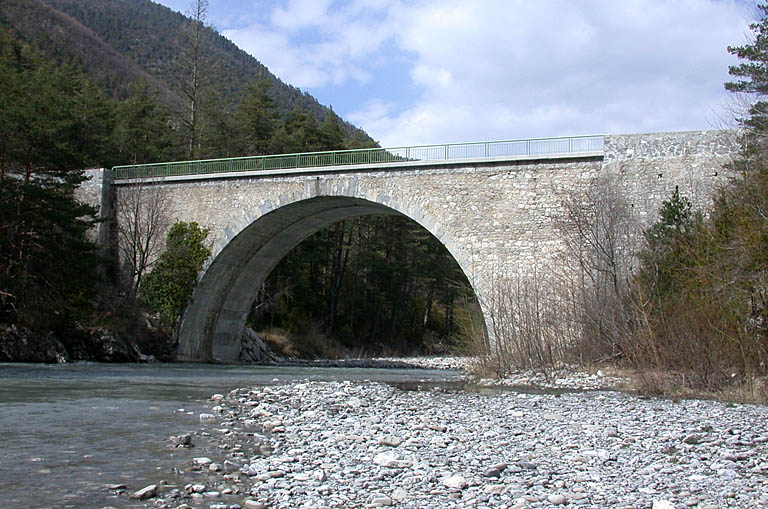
x,y
413,72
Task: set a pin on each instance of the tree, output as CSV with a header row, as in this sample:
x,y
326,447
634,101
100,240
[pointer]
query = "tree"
x,y
169,285
332,135
752,72
194,72
299,133
142,214
52,125
143,131
666,257
257,119
599,233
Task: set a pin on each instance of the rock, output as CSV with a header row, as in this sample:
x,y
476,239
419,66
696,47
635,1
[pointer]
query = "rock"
x,y
145,493
391,460
692,439
254,504
380,500
338,449
399,495
207,417
662,504
254,349
202,461
495,470
184,440
457,482
494,489
115,487
230,466
556,499
390,441
20,344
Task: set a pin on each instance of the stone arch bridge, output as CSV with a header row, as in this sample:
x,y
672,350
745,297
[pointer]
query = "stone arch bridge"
x,y
490,204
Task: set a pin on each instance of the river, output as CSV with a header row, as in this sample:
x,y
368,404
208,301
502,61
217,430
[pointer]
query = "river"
x,y
69,431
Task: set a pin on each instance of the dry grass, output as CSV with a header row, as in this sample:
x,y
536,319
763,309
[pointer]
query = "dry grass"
x,y
675,384
306,345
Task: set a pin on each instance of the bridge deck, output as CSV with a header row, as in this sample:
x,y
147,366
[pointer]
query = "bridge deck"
x,y
533,148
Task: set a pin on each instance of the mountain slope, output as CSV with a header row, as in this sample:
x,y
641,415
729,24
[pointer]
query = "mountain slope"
x,y
62,39
119,41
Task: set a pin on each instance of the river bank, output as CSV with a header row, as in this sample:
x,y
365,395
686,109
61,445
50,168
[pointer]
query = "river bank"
x,y
361,444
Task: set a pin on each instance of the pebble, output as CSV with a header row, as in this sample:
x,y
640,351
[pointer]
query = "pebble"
x,y
457,482
145,493
556,499
365,444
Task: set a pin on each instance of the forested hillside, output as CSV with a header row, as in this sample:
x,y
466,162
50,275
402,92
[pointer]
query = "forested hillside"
x,y
117,42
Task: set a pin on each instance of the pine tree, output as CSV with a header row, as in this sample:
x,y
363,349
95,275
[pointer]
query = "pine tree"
x,y
53,123
752,73
143,133
257,119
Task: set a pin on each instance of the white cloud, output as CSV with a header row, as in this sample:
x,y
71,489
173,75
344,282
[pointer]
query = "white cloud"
x,y
488,69
500,69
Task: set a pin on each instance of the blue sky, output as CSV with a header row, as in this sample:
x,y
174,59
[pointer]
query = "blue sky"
x,y
419,71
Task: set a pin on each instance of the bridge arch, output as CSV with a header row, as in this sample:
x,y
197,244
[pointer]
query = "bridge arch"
x,y
244,257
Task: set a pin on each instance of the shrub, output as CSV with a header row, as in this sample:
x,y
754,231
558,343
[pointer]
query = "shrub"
x,y
170,284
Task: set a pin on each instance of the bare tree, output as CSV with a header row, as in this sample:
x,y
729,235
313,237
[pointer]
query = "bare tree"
x,y
143,215
194,71
601,236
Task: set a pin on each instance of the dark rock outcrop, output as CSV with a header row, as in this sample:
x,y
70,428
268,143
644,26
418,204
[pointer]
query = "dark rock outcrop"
x,y
254,349
95,344
21,344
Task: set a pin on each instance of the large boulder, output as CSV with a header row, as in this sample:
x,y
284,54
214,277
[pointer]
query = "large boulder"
x,y
111,346
254,349
20,344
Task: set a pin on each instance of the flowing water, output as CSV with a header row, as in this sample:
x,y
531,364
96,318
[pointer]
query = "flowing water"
x,y
69,431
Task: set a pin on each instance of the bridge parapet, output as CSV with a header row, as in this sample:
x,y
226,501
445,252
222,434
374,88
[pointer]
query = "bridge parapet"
x,y
531,148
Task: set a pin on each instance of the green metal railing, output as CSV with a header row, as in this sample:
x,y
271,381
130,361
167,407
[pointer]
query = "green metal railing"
x,y
454,151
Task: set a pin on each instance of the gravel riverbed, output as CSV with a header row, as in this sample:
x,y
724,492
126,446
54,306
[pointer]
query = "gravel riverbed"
x,y
345,444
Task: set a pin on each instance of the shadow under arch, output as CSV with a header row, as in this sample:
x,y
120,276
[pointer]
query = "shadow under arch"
x,y
213,321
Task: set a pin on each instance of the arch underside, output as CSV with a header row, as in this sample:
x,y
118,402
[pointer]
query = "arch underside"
x,y
214,320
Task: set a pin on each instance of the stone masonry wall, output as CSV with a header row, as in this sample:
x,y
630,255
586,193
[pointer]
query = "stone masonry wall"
x,y
491,216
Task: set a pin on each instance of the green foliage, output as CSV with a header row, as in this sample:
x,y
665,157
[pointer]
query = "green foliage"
x,y
665,259
169,285
143,132
52,125
703,282
752,72
128,40
257,119
371,282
